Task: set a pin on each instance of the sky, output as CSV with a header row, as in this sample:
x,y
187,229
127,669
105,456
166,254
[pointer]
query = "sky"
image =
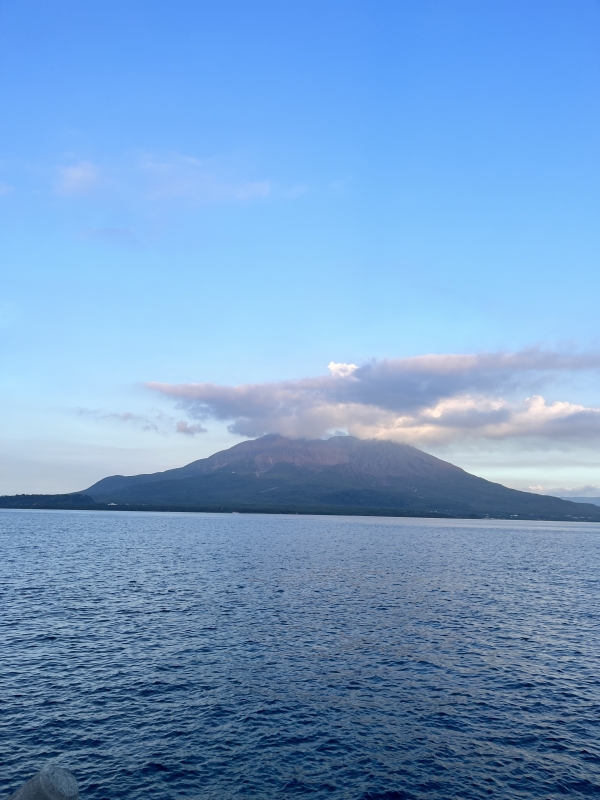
x,y
222,219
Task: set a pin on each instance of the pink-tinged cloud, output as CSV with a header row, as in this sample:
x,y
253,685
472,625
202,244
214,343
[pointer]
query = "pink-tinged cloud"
x,y
432,398
189,430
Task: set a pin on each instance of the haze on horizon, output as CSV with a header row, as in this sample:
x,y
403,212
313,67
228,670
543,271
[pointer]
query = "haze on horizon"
x,y
222,220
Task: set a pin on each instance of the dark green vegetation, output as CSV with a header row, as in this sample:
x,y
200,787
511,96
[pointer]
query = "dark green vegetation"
x,y
341,475
64,501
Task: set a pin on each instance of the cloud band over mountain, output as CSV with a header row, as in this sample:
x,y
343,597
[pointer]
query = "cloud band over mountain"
x,y
431,398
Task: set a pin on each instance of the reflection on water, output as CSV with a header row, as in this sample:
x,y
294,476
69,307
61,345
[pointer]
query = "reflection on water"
x,y
217,656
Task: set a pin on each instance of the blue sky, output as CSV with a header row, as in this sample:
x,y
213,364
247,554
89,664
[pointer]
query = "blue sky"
x,y
243,193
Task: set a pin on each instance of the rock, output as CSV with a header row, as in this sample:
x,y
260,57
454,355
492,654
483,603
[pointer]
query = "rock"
x,y
51,783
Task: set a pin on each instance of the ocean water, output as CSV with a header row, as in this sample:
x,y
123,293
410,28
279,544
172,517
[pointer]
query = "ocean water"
x,y
220,656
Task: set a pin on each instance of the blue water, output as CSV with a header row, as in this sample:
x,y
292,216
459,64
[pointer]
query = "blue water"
x,y
217,656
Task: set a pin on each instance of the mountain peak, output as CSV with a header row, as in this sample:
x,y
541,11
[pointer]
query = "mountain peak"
x,y
374,457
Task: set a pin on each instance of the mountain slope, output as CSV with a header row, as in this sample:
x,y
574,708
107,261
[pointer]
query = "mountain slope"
x,y
337,475
593,500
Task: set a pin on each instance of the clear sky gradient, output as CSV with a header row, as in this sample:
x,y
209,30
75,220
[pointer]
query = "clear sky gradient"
x,y
241,193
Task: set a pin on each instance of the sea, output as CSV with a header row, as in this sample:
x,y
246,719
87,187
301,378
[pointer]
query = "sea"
x,y
161,655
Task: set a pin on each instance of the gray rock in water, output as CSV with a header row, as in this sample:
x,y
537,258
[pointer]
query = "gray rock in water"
x,y
51,783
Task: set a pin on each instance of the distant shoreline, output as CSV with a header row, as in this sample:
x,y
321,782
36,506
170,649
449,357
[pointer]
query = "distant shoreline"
x,y
80,502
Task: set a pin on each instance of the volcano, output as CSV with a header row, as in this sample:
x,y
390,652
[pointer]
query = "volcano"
x,y
340,475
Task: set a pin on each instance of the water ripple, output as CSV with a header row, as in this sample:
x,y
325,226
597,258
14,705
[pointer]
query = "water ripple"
x,y
217,656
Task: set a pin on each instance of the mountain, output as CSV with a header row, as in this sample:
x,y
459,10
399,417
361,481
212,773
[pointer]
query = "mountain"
x,y
341,475
593,500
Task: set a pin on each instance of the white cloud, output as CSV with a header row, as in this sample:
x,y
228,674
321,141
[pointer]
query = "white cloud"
x,y
187,178
154,179
341,370
428,399
6,189
299,190
79,178
589,490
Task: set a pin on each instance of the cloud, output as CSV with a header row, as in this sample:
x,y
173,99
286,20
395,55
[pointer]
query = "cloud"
x,y
341,370
581,491
147,423
6,189
199,181
155,421
294,192
153,180
189,430
423,399
77,179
